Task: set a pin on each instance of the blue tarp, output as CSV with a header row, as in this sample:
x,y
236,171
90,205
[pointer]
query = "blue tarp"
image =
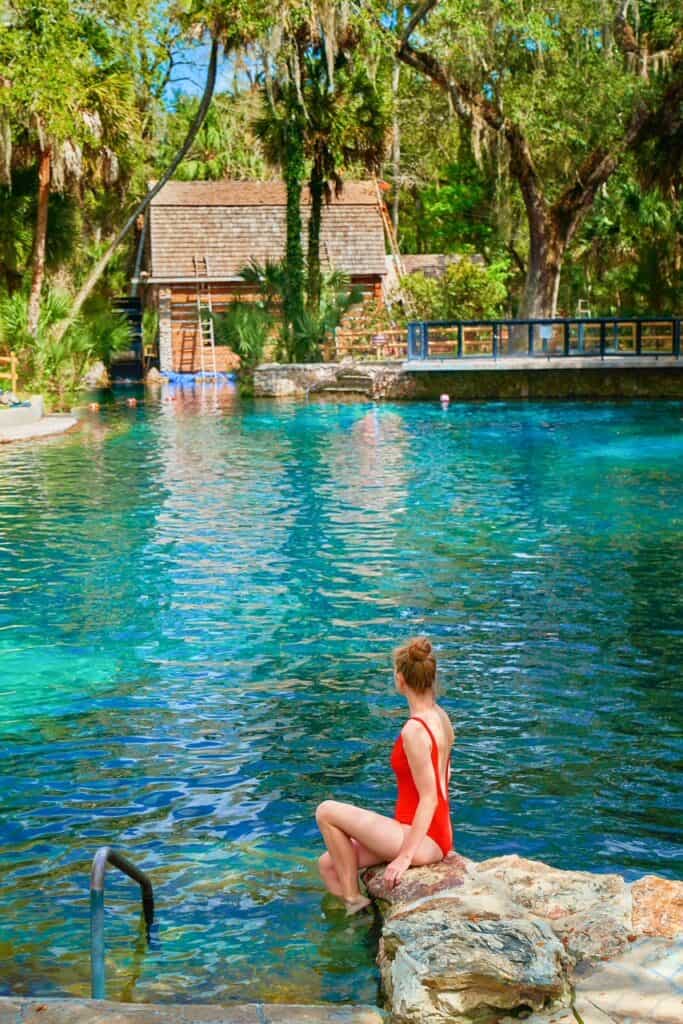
x,y
193,378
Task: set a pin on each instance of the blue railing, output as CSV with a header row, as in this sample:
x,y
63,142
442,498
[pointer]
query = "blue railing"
x,y
546,338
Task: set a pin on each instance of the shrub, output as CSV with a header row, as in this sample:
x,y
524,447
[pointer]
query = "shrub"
x,y
309,334
245,327
301,341
53,368
465,291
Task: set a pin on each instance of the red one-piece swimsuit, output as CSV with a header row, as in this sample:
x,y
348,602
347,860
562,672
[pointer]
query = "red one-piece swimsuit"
x,y
440,830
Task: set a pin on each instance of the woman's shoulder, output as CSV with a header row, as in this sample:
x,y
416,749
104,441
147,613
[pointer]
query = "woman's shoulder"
x,y
446,724
436,721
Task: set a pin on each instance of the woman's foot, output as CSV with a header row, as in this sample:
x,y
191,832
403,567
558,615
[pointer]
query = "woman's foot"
x,y
356,904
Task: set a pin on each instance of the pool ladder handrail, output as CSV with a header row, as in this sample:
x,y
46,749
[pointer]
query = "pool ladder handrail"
x,y
106,855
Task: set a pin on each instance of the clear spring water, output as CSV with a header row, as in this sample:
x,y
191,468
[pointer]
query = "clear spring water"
x,y
199,603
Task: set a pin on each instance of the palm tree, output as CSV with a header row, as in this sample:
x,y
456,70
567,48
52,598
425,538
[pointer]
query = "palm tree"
x,y
281,132
69,101
346,126
319,107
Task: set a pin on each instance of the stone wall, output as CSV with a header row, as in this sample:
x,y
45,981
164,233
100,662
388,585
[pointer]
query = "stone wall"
x,y
165,331
390,381
292,380
606,383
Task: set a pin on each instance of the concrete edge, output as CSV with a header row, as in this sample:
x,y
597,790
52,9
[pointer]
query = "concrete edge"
x,y
49,426
540,363
51,1010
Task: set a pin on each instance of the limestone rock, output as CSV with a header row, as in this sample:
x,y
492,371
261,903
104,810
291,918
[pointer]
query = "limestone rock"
x,y
448,963
590,913
457,947
448,874
466,943
657,907
153,376
642,986
97,376
275,380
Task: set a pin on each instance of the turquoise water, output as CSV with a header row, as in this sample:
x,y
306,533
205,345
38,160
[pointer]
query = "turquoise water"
x,y
199,600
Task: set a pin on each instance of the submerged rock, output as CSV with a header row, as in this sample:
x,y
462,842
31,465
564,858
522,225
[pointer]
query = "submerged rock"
x,y
468,943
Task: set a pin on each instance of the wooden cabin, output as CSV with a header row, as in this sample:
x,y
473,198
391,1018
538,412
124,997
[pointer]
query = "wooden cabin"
x,y
201,234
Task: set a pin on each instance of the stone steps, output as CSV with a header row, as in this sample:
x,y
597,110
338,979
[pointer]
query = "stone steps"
x,y
350,384
354,380
88,1011
357,392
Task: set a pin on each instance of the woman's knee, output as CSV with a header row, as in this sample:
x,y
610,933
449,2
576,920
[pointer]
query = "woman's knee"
x,y
324,812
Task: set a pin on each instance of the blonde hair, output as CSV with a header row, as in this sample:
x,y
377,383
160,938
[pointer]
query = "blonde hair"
x,y
417,664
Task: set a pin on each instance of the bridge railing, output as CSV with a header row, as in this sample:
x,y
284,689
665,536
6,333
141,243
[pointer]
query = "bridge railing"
x,y
546,338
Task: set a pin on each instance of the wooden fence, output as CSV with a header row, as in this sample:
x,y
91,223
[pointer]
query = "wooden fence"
x,y
370,346
10,375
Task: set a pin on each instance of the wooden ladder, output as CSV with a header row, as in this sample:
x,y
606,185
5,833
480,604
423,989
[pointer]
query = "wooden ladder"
x,y
204,330
188,348
393,242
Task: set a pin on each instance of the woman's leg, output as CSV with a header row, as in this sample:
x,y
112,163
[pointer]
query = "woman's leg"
x,y
378,839
364,859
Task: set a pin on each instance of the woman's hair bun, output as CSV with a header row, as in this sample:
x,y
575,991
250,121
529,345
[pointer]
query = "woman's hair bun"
x,y
419,649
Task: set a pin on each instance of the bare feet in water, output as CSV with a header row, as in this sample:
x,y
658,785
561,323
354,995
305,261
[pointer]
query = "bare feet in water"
x,y
355,905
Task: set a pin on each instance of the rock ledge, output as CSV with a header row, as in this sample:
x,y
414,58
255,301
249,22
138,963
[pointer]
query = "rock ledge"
x,y
468,943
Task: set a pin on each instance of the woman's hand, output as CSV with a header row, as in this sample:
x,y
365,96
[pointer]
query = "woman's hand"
x,y
394,872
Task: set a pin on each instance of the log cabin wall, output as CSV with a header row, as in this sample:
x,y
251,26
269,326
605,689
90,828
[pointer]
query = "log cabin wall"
x,y
186,354
228,224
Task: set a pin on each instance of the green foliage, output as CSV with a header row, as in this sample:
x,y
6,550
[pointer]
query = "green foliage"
x,y
54,368
316,326
280,129
150,327
246,328
225,147
454,212
271,280
466,291
93,81
628,256
550,99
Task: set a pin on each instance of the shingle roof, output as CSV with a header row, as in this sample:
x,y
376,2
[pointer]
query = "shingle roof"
x,y
233,222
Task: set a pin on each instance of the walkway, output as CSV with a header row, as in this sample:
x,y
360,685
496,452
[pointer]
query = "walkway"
x,y
539,362
86,1011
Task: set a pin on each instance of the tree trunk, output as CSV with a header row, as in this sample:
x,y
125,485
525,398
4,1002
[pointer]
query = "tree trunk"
x,y
317,189
101,265
39,241
395,147
294,168
546,255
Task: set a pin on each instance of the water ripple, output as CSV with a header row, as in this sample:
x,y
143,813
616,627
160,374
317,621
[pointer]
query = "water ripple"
x,y
198,604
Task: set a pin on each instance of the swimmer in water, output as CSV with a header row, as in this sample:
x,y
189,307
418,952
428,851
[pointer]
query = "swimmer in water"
x,y
420,832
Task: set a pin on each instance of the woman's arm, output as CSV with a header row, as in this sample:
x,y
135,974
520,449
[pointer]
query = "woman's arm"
x,y
417,746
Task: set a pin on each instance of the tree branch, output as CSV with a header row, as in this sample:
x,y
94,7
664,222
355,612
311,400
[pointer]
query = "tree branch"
x,y
101,264
419,15
469,106
645,123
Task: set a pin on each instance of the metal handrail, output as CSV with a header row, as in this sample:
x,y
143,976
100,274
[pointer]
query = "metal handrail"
x,y
106,855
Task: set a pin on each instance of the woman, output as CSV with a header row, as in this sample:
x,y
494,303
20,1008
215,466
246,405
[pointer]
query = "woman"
x,y
420,831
